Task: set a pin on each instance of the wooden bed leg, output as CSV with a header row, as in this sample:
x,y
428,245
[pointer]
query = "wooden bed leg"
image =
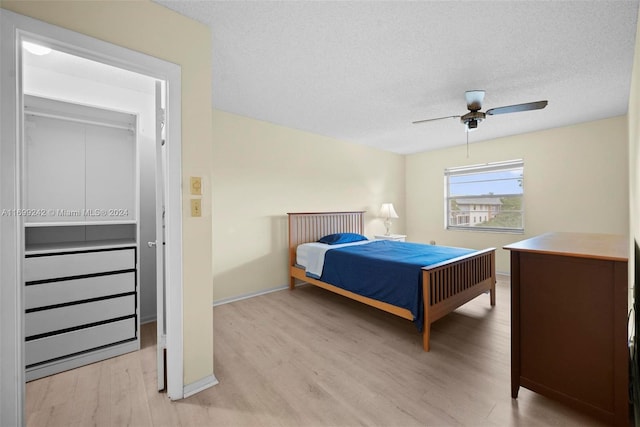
x,y
426,332
292,283
492,294
426,298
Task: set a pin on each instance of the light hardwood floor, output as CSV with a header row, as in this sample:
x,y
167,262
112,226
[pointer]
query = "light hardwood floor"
x,y
312,358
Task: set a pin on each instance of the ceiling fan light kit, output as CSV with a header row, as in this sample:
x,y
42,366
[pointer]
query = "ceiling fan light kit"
x,y
471,119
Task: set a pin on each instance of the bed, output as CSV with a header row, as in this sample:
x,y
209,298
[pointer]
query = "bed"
x,y
445,286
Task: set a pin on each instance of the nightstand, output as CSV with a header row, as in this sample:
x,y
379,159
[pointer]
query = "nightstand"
x,y
394,237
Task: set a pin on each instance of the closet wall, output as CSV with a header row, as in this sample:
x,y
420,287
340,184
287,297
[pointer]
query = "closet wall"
x,y
68,78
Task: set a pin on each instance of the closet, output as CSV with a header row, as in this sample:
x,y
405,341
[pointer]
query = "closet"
x,y
81,261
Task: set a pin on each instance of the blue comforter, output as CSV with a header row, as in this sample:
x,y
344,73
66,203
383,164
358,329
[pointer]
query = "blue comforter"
x,y
387,271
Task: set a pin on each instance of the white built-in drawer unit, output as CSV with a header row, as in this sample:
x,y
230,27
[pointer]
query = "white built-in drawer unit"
x,y
47,267
78,302
65,291
61,345
81,280
71,316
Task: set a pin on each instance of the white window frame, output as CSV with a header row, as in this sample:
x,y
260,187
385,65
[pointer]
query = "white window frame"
x,y
517,164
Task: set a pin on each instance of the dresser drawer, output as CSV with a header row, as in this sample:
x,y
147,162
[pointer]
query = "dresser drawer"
x,y
44,321
43,349
77,264
52,293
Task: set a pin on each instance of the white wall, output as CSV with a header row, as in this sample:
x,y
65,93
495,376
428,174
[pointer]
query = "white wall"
x,y
575,179
262,171
67,82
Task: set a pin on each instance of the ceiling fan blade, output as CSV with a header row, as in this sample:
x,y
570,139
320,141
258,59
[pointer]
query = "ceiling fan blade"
x,y
515,108
474,99
437,118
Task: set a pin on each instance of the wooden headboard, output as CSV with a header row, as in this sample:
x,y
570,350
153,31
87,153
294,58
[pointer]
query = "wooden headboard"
x,y
311,226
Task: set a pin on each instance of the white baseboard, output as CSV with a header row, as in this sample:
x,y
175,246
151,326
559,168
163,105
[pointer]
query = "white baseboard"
x,y
249,295
198,386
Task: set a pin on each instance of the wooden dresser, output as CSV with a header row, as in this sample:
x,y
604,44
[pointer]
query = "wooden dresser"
x,y
569,294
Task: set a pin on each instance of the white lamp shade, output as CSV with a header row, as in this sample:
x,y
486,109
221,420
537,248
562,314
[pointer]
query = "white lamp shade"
x,y
387,211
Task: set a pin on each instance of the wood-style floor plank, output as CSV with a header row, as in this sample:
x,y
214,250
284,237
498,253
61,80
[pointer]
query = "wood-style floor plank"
x,y
312,358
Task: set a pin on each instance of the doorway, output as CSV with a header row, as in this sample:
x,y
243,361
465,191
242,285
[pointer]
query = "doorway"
x,y
90,165
15,29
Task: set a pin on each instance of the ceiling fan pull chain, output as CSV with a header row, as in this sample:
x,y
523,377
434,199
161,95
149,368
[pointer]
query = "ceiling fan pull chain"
x,y
467,132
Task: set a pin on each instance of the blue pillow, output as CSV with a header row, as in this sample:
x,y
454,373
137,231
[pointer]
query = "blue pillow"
x,y
335,239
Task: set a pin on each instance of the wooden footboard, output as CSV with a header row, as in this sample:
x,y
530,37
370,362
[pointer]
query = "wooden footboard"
x,y
450,284
446,285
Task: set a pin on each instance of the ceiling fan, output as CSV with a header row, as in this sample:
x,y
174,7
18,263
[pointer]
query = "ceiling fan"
x,y
475,116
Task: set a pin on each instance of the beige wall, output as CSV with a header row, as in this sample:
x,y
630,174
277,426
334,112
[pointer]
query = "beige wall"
x,y
575,180
154,30
262,171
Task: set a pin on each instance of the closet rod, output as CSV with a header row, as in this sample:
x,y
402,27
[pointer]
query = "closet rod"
x,y
77,120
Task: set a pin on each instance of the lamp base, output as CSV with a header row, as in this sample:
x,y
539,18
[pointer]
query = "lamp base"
x,y
387,224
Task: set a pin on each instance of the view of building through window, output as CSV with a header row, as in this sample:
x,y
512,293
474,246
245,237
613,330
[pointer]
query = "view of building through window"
x,y
486,197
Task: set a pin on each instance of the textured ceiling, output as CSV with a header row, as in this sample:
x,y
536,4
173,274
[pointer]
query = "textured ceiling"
x,y
363,71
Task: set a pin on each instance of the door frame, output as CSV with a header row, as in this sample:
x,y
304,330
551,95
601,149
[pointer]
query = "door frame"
x,y
13,29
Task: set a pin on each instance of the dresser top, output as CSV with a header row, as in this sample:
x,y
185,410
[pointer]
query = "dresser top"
x,y
581,245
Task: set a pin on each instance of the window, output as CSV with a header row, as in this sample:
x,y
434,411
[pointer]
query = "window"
x,y
485,197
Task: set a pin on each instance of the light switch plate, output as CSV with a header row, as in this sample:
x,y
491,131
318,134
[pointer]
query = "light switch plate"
x,y
196,207
196,185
